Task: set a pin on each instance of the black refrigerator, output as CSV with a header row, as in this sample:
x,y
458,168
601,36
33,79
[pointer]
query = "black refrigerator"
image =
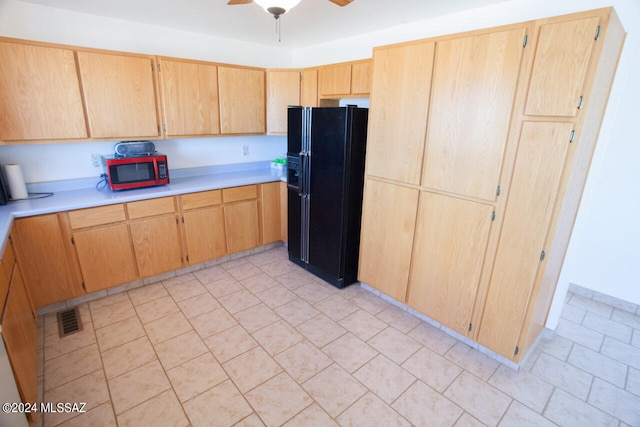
x,y
325,177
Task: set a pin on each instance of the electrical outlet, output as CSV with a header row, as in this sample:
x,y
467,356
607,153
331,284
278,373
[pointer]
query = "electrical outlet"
x,y
96,160
245,150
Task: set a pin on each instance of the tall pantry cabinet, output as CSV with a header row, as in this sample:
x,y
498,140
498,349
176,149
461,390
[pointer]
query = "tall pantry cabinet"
x,y
479,147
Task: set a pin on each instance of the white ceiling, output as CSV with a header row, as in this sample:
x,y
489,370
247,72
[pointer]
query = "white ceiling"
x,y
311,22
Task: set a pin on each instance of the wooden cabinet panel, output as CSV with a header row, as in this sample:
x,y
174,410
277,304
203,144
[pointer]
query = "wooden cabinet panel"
x,y
6,271
541,156
106,256
156,243
560,66
45,237
284,220
190,97
235,194
97,216
283,89
361,78
270,212
386,238
242,100
39,93
151,207
20,334
119,93
309,88
335,79
201,199
474,85
398,115
204,234
448,253
241,226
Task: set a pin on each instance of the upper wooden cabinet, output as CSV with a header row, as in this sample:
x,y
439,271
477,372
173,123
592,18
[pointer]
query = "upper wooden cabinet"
x,y
309,88
470,114
39,93
242,100
189,97
283,89
120,94
398,115
345,79
562,56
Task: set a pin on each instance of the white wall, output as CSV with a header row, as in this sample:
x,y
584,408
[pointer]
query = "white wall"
x,y
604,254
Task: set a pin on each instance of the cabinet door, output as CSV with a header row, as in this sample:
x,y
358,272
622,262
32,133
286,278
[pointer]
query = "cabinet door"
x,y
398,114
119,93
270,212
283,89
204,234
361,78
541,156
106,257
309,88
156,243
242,100
189,97
241,226
46,237
335,80
448,253
474,84
386,237
20,333
39,94
560,67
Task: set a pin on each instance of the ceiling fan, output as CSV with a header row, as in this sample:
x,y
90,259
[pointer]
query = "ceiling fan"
x,y
279,7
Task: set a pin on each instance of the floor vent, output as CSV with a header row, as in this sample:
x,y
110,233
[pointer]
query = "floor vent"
x,y
69,322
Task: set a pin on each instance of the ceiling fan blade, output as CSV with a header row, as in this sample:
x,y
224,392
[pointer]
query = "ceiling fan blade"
x,y
232,2
341,2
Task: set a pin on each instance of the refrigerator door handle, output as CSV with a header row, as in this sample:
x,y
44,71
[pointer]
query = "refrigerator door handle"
x,y
301,185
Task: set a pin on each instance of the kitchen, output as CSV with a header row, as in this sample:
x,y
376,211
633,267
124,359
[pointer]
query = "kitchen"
x,y
361,49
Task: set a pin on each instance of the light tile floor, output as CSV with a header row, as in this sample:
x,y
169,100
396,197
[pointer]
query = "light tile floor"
x,y
258,341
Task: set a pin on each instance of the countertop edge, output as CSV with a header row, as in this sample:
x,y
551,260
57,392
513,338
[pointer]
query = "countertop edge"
x,y
91,197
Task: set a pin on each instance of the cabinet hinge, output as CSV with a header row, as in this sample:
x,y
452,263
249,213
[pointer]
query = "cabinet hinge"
x,y
498,190
543,254
493,216
83,286
159,69
183,220
516,351
572,136
580,101
598,29
525,41
73,242
470,327
164,127
187,257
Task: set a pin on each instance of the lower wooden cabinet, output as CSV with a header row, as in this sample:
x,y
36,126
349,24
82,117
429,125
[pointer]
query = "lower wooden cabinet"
x,y
105,256
70,254
44,249
155,234
20,333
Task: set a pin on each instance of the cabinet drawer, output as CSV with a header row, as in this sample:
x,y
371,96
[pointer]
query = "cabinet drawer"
x,y
235,194
201,199
97,216
150,207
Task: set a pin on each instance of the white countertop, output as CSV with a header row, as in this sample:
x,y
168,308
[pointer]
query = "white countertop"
x,y
182,181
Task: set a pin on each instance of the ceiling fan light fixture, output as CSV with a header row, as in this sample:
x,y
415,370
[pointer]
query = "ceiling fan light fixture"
x,y
277,7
